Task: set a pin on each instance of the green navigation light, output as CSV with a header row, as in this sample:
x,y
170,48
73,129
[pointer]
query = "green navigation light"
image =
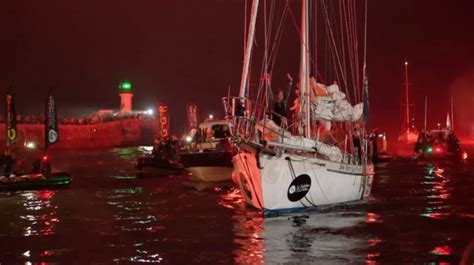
x,y
429,150
125,87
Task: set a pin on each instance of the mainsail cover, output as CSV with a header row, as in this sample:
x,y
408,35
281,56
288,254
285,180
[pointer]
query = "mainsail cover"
x,y
271,132
334,107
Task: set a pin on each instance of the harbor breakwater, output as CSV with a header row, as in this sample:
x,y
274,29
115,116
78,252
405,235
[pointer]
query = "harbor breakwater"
x,y
116,133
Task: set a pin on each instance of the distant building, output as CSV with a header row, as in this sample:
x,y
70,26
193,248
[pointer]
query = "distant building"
x,y
126,95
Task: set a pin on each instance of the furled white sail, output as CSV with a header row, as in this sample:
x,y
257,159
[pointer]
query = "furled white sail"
x,y
332,152
334,107
274,133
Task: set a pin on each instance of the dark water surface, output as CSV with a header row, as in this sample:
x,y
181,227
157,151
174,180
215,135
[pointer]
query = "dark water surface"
x,y
416,214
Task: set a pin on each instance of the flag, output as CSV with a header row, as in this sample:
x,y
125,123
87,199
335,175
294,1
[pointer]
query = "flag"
x,y
192,116
366,99
11,128
164,119
51,123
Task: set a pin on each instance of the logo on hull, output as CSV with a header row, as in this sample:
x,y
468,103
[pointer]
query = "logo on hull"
x,y
299,187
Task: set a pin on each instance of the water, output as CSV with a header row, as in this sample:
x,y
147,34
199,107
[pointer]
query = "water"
x,y
416,214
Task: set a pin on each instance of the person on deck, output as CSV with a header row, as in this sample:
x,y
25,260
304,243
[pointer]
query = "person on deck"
x,y
280,105
279,109
357,145
240,108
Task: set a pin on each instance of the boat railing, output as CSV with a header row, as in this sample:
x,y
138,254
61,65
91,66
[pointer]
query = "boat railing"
x,y
252,122
247,117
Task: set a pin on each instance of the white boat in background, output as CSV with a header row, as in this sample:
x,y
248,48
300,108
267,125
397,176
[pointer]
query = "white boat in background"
x,y
207,154
210,156
278,171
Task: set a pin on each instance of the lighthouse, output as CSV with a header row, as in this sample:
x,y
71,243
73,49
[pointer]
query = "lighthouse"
x,y
126,94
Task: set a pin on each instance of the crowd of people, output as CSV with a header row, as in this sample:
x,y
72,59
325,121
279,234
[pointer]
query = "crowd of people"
x,y
81,120
167,149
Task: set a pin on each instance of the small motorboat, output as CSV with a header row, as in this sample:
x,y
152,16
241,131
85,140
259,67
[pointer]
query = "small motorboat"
x,y
55,180
439,145
155,165
207,154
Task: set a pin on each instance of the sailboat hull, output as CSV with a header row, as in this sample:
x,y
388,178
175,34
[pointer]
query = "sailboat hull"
x,y
291,183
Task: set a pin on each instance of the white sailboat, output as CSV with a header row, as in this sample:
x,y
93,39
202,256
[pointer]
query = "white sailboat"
x,y
278,171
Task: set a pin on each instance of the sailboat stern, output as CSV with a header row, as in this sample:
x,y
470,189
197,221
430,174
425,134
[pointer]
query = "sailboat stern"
x,y
292,183
246,175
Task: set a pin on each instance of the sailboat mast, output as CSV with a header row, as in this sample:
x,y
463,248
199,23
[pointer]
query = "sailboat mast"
x,y
304,72
452,114
407,102
426,110
248,48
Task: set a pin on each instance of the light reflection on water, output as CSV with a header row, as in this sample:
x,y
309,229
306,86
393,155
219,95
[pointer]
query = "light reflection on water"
x,y
132,213
416,214
41,216
306,238
437,188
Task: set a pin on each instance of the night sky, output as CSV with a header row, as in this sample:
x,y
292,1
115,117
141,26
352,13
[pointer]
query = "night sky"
x,y
184,50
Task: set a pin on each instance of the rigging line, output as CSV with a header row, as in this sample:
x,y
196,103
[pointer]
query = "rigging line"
x,y
245,26
332,62
333,42
293,175
356,36
310,201
341,18
264,83
292,171
347,20
355,49
319,185
335,48
265,54
300,38
364,68
268,53
290,166
315,41
271,18
278,37
351,45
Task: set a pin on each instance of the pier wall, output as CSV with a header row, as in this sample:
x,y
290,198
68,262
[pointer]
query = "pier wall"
x,y
123,132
